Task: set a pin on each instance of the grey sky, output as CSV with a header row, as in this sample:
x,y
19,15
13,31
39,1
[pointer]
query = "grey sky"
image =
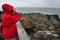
x,y
32,3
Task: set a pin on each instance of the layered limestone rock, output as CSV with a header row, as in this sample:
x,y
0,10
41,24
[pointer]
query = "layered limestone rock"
x,y
41,27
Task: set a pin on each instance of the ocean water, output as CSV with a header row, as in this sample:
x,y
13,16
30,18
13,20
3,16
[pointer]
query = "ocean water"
x,y
38,10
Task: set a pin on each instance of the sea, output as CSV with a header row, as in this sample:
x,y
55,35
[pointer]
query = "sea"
x,y
38,10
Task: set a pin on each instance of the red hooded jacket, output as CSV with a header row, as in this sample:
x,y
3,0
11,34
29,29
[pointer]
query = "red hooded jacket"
x,y
9,21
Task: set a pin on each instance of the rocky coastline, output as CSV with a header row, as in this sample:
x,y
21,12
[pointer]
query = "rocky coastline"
x,y
41,27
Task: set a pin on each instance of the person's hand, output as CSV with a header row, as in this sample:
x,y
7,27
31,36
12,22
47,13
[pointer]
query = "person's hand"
x,y
13,11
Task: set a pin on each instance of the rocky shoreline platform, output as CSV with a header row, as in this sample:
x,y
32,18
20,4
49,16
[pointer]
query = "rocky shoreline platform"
x,y
40,26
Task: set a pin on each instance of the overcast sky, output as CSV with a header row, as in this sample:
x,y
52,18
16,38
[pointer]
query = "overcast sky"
x,y
32,3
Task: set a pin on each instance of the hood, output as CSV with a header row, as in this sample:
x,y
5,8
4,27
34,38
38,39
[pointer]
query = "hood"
x,y
7,8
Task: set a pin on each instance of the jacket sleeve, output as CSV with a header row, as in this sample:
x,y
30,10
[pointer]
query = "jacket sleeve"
x,y
8,19
14,18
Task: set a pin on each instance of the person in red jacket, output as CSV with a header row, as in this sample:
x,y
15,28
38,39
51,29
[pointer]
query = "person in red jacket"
x,y
9,19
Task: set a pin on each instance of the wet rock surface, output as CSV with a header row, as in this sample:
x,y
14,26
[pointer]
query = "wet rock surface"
x,y
41,27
